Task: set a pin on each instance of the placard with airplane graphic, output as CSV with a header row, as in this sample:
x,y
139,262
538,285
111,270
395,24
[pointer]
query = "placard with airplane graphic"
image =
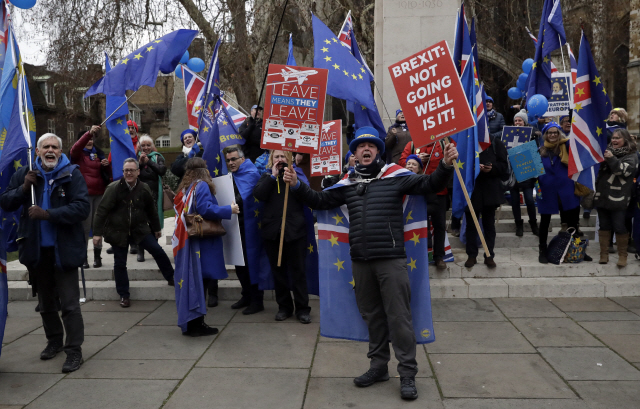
x,y
328,159
294,108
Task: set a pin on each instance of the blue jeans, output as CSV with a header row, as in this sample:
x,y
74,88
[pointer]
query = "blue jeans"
x,y
528,200
150,244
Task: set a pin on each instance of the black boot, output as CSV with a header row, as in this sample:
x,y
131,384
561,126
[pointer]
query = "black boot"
x,y
133,249
519,228
97,260
110,250
542,254
140,254
534,227
213,294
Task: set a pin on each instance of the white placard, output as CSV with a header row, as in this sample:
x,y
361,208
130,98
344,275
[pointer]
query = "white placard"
x,y
231,241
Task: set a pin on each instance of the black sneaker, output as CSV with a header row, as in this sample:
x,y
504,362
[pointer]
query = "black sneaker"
x,y
133,250
283,315
241,303
372,376
201,331
304,317
253,309
110,250
408,388
51,350
213,301
73,363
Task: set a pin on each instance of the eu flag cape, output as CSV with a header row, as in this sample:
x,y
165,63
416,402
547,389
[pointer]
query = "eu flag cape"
x,y
339,314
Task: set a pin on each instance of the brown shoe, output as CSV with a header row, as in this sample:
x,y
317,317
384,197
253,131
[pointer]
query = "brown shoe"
x,y
471,261
489,262
125,303
440,264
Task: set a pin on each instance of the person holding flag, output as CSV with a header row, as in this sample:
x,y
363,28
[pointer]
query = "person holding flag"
x,y
53,245
373,193
190,148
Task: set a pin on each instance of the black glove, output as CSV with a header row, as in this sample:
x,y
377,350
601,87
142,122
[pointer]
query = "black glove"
x,y
30,179
37,213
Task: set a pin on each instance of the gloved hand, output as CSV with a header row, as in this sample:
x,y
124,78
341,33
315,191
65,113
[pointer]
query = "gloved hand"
x,y
30,179
37,213
194,150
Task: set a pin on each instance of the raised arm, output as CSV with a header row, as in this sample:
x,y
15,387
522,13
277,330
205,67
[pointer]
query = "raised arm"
x,y
207,205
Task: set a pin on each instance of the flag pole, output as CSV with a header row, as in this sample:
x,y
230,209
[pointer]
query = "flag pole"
x,y
116,110
26,116
564,69
284,221
471,210
275,40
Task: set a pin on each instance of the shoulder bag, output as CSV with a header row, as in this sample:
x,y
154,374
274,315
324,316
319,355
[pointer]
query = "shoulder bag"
x,y
198,226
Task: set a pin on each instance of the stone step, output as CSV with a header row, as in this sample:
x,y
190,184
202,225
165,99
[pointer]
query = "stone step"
x,y
440,288
510,240
505,212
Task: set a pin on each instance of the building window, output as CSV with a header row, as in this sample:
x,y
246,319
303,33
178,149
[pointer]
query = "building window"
x,y
86,103
87,128
163,142
70,131
135,117
51,126
68,100
48,92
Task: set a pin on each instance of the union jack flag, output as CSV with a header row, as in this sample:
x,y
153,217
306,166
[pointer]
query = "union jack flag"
x,y
484,137
339,314
588,139
236,116
348,38
462,44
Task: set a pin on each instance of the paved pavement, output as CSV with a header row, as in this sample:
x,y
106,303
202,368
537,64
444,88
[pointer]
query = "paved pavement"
x,y
564,353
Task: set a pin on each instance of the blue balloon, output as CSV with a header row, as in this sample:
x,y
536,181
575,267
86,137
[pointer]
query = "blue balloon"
x,y
521,84
196,64
185,58
23,4
532,119
527,65
537,105
179,71
524,94
514,93
523,77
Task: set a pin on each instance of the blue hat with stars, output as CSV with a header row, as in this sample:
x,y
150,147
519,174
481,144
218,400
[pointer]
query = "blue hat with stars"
x,y
366,134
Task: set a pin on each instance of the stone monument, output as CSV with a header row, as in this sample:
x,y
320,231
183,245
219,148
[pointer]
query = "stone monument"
x,y
402,28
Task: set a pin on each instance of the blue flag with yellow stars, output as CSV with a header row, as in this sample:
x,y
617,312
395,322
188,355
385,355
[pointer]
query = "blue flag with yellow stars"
x,y
468,146
513,136
141,66
551,36
348,79
339,314
462,43
291,60
119,137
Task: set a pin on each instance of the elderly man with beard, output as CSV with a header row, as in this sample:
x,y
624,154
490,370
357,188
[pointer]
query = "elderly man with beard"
x,y
374,199
51,242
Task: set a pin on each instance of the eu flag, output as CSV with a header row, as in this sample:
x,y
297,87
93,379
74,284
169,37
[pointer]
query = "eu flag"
x,y
119,137
339,314
141,66
588,139
551,36
513,136
462,43
291,60
348,79
468,147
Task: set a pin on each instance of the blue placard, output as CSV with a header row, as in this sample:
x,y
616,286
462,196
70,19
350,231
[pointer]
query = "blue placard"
x,y
525,161
513,136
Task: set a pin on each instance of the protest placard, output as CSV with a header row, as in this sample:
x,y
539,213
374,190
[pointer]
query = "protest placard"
x,y
560,99
328,159
513,136
525,161
231,241
431,95
294,108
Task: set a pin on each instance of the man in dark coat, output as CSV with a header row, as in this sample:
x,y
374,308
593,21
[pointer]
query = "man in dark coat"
x,y
495,119
128,215
397,138
376,239
51,242
251,131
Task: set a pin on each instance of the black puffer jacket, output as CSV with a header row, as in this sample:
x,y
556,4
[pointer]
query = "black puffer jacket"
x,y
376,217
271,192
251,131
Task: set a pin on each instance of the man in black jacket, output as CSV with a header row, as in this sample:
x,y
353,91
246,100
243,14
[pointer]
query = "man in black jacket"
x,y
128,215
251,131
376,238
51,242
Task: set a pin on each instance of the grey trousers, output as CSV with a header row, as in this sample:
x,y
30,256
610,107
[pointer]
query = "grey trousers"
x,y
94,203
383,294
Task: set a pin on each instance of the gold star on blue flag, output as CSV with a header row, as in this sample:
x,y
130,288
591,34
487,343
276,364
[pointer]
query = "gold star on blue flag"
x,y
513,136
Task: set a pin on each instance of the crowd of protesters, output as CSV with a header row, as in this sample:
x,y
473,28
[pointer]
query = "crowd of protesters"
x,y
75,198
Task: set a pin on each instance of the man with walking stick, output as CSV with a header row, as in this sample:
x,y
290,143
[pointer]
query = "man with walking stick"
x,y
373,193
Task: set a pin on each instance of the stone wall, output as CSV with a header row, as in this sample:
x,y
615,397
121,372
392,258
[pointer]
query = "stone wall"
x,y
633,69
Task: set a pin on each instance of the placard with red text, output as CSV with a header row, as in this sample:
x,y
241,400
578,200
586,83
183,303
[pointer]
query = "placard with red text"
x,y
294,108
328,160
431,95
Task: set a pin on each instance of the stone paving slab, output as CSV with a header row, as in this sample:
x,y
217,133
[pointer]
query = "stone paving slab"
x,y
604,316
105,394
133,369
233,388
528,307
24,354
330,393
349,359
612,327
599,364
465,310
478,338
628,346
628,302
280,345
609,394
167,315
106,323
554,332
524,376
22,388
586,304
514,404
114,306
270,311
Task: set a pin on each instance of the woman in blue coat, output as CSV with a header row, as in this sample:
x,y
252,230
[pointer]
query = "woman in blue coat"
x,y
211,255
557,188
